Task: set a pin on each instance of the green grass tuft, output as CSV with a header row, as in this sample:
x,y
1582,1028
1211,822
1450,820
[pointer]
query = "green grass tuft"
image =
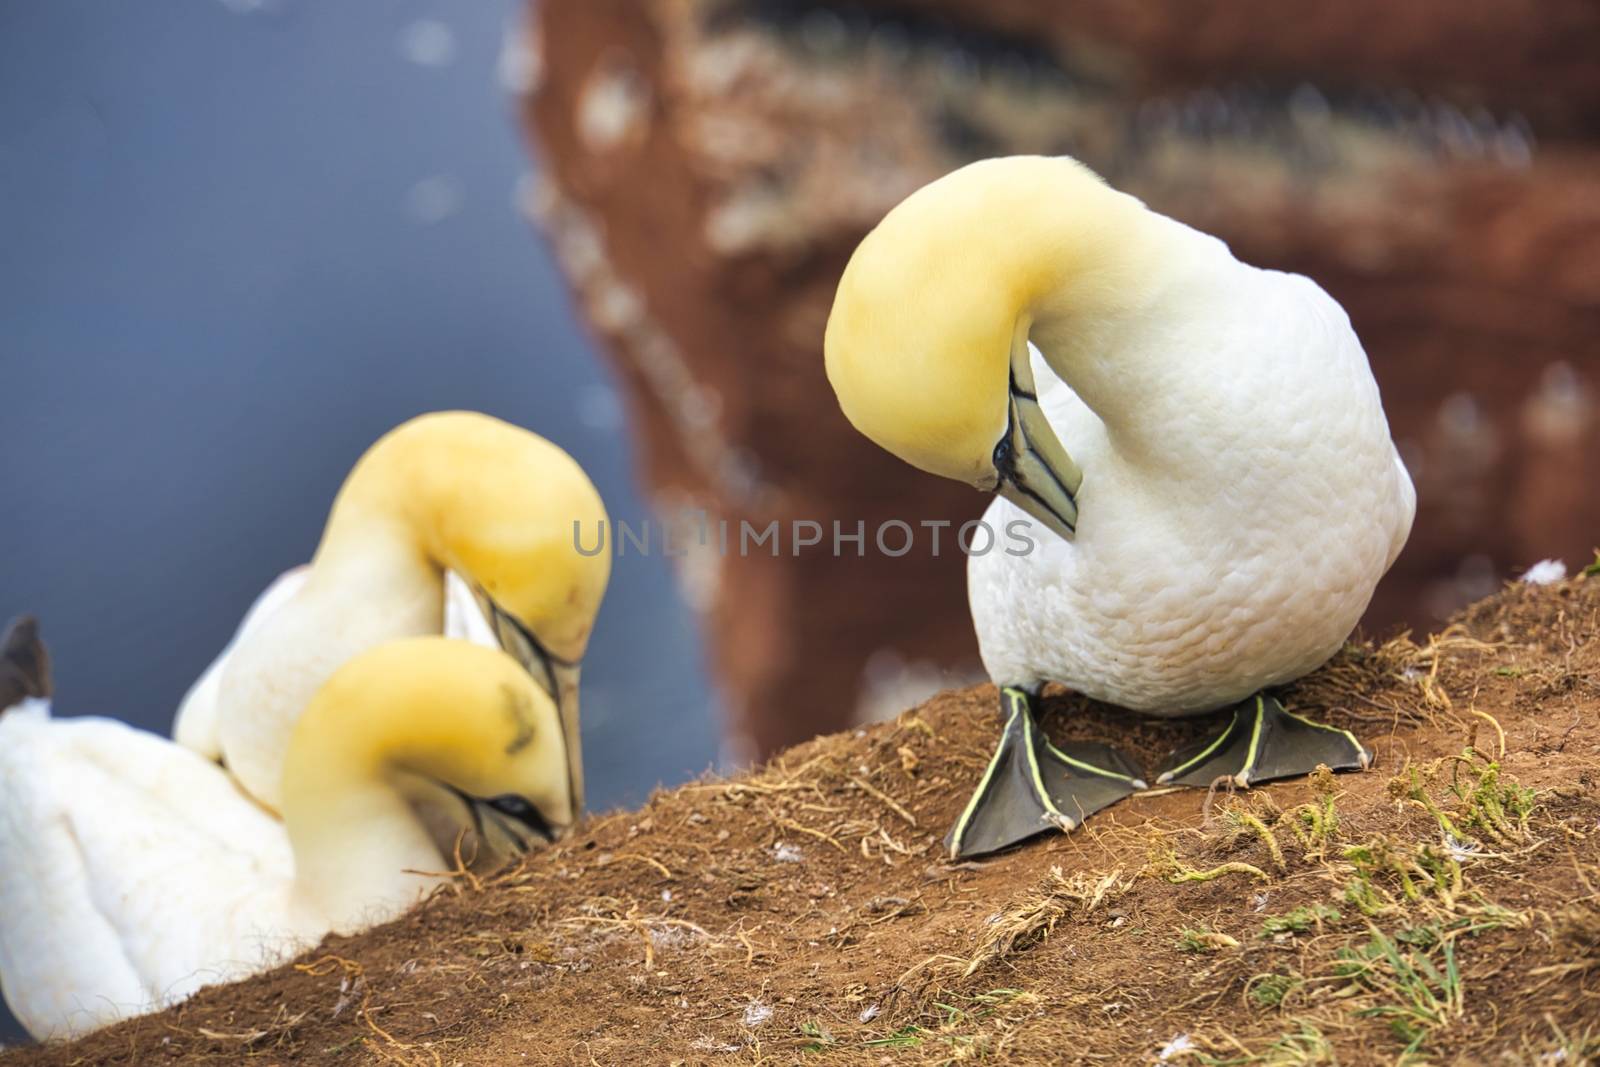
x,y
1301,919
1269,990
1412,992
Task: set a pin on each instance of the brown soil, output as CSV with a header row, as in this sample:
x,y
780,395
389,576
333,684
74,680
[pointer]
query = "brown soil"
x,y
1448,900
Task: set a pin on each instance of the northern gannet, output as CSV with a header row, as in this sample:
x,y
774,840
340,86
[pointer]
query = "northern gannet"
x,y
133,871
452,491
1199,443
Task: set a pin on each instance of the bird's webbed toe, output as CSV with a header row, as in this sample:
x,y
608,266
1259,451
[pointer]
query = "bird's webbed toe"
x,y
1031,786
1262,742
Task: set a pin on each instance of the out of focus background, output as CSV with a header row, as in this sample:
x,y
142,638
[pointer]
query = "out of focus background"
x,y
241,238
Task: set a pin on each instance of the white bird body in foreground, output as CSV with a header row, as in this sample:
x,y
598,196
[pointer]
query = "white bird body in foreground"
x,y
1241,499
133,871
1192,449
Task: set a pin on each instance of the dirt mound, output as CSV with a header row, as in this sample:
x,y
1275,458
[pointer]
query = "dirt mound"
x,y
1447,902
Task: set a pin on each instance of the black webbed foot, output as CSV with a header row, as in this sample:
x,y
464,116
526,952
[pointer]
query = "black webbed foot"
x,y
1031,786
1262,742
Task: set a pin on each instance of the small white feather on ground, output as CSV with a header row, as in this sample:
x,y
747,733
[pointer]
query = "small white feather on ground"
x,y
1546,572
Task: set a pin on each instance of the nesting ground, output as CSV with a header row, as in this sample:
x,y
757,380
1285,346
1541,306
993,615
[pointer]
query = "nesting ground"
x,y
1444,906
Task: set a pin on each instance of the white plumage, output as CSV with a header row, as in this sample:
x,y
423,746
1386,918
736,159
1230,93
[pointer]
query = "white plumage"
x,y
1241,498
132,867
133,871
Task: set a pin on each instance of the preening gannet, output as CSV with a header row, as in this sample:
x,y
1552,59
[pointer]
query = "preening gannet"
x,y
134,871
1199,442
451,491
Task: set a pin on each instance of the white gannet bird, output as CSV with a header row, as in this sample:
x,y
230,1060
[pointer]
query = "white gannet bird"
x,y
452,491
1201,440
134,871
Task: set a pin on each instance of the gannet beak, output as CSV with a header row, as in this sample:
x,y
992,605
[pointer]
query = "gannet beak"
x,y
556,676
566,697
1035,472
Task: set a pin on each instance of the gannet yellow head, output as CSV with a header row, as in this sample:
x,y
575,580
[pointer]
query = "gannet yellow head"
x,y
411,721
461,716
927,342
501,507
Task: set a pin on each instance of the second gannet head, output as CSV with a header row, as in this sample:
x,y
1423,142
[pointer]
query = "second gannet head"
x,y
457,491
495,503
927,342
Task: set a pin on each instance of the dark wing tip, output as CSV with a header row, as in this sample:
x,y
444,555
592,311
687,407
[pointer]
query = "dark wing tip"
x,y
24,663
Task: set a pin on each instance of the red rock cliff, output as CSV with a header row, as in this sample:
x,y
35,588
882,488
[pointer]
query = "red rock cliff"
x,y
708,166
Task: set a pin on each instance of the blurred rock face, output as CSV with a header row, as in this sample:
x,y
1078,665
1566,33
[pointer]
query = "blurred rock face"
x,y
709,165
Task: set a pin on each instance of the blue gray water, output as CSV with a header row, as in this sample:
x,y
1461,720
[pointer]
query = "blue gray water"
x,y
239,239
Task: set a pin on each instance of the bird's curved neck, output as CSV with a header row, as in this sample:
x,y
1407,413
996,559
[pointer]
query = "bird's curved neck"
x,y
1089,276
361,853
365,858
385,536
386,507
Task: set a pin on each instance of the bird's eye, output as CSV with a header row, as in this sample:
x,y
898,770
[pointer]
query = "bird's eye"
x,y
518,808
511,805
